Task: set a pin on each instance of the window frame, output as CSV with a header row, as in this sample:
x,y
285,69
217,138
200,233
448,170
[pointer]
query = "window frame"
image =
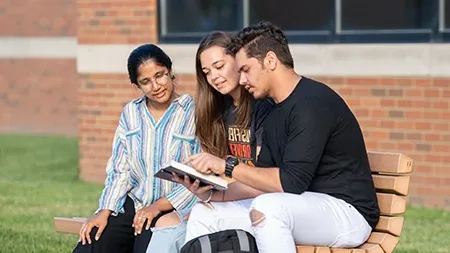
x,y
335,35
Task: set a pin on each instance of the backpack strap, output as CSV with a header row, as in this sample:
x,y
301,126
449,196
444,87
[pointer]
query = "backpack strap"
x,y
205,244
243,240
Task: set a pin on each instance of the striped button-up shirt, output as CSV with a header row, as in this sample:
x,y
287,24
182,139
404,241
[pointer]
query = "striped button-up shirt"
x,y
141,146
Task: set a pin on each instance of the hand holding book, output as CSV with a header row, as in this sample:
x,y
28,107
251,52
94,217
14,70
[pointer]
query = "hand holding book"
x,y
182,170
202,192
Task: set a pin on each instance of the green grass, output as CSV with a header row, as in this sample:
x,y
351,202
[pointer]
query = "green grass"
x,y
38,180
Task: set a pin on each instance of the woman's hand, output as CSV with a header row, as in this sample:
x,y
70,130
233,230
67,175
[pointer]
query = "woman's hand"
x,y
201,192
100,221
145,214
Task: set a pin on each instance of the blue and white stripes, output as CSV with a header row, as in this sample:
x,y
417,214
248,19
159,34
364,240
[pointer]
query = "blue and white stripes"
x,y
141,147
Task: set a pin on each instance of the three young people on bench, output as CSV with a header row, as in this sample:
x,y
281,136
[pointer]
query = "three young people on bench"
x,y
311,184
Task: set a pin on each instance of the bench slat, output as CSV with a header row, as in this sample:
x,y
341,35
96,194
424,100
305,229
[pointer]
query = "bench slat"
x,y
338,250
387,242
322,250
371,248
312,249
393,184
305,249
390,163
392,225
391,204
68,225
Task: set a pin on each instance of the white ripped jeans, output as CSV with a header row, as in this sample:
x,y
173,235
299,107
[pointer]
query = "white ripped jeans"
x,y
289,219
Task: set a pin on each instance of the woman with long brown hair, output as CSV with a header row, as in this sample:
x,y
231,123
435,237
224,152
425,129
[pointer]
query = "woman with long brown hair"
x,y
228,118
228,122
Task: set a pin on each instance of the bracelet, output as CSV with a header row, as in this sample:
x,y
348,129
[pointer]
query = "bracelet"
x,y
208,199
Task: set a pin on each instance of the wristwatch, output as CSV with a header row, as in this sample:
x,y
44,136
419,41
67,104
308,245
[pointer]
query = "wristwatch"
x,y
230,163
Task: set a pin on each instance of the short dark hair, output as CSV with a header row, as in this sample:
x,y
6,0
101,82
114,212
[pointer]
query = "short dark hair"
x,y
261,38
143,53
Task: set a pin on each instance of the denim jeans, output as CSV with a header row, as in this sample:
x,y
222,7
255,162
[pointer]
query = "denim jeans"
x,y
168,239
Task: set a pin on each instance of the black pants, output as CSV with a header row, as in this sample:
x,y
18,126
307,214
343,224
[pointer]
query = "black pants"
x,y
118,236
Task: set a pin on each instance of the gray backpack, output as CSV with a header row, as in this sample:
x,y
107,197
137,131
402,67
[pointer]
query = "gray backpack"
x,y
227,241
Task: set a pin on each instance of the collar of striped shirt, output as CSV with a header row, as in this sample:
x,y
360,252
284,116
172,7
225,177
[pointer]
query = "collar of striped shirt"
x,y
182,100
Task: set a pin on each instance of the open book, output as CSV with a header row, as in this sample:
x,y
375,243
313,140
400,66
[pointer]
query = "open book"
x,y
182,169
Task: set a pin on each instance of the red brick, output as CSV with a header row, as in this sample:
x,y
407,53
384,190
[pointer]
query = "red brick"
x,y
442,148
433,93
133,21
388,146
446,92
405,82
441,104
441,126
423,82
413,115
378,113
441,82
362,81
407,146
388,81
38,18
43,101
414,92
387,102
432,137
361,112
361,91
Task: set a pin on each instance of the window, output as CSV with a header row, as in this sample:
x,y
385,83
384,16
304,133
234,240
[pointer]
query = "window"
x,y
181,19
306,21
409,20
446,16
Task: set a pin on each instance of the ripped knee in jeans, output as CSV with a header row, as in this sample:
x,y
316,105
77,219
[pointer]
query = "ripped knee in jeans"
x,y
257,218
169,220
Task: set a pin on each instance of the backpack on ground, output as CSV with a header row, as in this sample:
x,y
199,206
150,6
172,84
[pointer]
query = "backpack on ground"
x,y
227,241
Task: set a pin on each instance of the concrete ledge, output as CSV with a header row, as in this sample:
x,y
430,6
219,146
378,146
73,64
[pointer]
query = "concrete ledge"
x,y
421,60
38,47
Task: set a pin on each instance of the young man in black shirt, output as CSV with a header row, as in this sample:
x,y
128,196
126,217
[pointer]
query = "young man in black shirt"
x,y
313,166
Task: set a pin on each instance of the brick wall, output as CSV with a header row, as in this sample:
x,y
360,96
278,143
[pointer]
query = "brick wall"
x,y
38,94
405,115
408,115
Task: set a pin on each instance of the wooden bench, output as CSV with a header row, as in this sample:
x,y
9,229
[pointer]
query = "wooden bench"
x,y
391,174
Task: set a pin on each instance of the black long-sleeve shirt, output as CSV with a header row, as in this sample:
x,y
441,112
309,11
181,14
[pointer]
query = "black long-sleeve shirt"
x,y
316,142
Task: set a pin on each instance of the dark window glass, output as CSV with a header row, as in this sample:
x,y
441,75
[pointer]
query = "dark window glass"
x,y
388,14
202,15
447,14
293,15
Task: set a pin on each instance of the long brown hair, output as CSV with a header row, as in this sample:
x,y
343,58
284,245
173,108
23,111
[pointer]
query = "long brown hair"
x,y
210,103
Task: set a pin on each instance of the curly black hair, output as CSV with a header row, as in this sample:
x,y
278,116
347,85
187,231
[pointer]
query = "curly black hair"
x,y
261,38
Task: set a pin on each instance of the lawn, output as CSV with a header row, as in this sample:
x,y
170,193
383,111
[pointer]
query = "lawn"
x,y
38,180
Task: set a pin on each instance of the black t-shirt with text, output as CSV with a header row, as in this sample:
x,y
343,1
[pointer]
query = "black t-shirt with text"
x,y
242,141
316,142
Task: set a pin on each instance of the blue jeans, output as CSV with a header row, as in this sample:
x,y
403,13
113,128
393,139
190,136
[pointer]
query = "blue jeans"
x,y
168,239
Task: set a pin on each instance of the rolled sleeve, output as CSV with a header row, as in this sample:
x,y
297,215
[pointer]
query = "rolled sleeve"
x,y
181,198
117,175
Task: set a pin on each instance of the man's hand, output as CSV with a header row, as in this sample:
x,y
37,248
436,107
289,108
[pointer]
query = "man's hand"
x,y
145,214
207,163
100,221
